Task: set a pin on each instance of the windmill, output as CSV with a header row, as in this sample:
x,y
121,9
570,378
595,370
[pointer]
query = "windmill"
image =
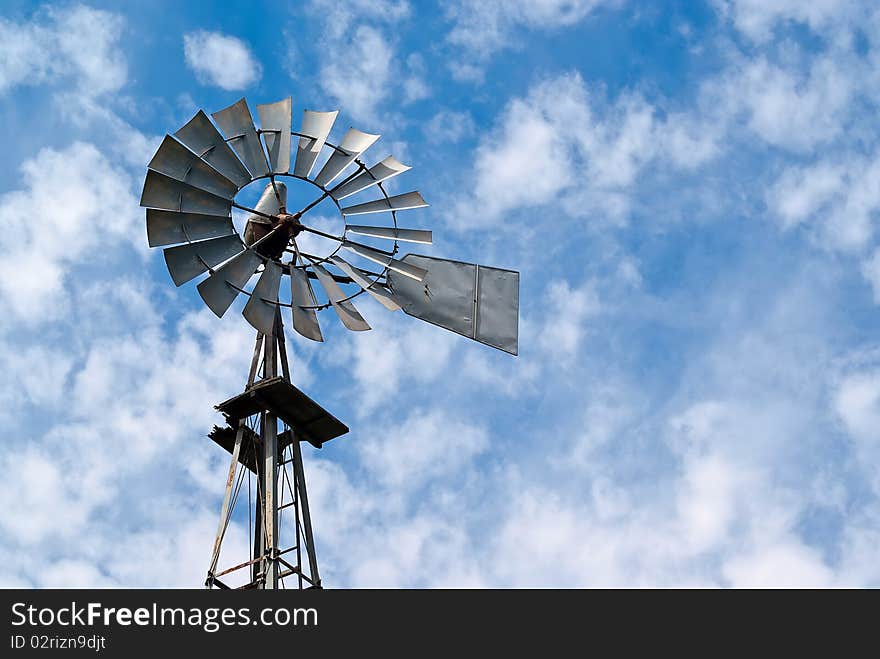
x,y
190,191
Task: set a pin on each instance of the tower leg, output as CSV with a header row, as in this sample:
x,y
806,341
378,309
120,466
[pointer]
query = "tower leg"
x,y
303,498
233,467
270,468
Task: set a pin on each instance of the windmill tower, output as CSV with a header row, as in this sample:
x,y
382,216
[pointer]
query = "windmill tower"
x,y
190,192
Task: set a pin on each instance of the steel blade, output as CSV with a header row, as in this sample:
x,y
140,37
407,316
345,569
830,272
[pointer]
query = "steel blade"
x,y
221,288
275,121
399,202
203,139
192,259
170,227
476,301
317,126
353,144
344,308
166,193
238,125
175,160
305,321
382,171
377,256
258,312
379,291
406,235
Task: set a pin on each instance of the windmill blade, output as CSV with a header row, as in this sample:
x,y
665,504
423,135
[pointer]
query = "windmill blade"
x,y
382,171
476,301
317,126
275,121
192,259
305,321
258,312
353,144
344,308
392,233
170,227
166,193
222,286
383,258
400,202
237,123
175,160
203,139
380,292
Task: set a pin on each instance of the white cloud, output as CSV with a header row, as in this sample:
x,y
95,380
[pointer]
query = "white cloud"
x,y
483,27
424,447
339,17
801,192
783,565
871,272
857,401
221,60
357,74
398,350
92,213
758,18
78,43
839,195
565,314
449,126
789,107
561,143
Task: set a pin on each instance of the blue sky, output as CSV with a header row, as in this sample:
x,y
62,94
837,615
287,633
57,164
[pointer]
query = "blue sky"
x,y
690,191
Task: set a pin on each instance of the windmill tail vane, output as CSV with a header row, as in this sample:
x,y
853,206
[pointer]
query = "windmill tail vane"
x,y
190,192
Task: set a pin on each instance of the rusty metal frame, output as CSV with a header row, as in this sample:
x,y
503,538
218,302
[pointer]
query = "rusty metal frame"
x,y
266,562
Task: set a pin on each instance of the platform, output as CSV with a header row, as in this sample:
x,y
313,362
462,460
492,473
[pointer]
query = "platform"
x,y
310,421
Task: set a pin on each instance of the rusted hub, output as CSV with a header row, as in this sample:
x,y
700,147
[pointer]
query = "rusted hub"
x,y
294,226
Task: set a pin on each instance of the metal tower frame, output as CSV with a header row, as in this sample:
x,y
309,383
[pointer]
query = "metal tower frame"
x,y
260,449
190,192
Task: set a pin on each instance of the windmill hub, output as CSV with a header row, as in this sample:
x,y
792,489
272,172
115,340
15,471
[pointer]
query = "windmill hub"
x,y
294,226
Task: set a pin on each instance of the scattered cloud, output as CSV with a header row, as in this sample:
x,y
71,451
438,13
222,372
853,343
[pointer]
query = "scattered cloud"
x,y
75,44
483,27
357,73
95,211
562,142
221,60
449,126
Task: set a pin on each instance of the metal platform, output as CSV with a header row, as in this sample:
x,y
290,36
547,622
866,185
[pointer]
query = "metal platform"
x,y
309,421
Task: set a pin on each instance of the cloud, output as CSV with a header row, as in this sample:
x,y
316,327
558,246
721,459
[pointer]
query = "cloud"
x,y
339,17
871,272
566,312
221,60
77,43
837,194
757,19
789,107
94,213
425,446
483,27
563,143
357,74
857,403
449,126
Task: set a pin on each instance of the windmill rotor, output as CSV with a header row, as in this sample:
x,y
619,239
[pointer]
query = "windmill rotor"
x,y
190,190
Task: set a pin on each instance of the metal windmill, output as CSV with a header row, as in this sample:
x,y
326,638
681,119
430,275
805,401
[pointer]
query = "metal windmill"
x,y
190,191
